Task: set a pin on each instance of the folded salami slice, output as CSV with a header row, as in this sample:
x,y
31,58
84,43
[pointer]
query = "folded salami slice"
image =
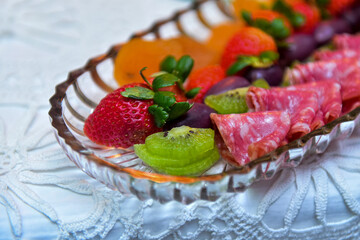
x,y
347,41
245,137
350,105
302,106
338,54
345,71
329,97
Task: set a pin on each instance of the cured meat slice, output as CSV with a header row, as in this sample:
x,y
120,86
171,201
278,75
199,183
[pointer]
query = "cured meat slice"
x,y
302,106
245,137
345,71
338,54
329,97
347,41
339,70
318,121
350,105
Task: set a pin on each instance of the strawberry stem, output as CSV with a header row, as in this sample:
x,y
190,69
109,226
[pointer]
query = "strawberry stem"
x,y
143,77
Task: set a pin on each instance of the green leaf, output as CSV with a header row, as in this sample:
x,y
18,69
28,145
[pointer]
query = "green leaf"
x,y
154,75
179,109
192,93
159,114
322,3
164,80
298,20
266,59
269,56
164,99
168,64
140,93
278,29
237,66
184,67
246,15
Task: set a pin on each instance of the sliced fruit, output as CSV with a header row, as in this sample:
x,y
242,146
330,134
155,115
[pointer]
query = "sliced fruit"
x,y
181,142
233,101
230,102
182,151
194,169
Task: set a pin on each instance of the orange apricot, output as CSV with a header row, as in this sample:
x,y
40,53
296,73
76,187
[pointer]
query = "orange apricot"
x,y
221,34
250,5
139,53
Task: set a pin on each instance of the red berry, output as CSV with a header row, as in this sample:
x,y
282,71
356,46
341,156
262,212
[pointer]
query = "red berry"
x,y
311,14
336,7
248,41
205,78
119,121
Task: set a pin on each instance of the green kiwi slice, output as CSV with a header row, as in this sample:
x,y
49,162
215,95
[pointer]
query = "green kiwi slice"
x,y
182,151
194,169
157,161
181,142
230,102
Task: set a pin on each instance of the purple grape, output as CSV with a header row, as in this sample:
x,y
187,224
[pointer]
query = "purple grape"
x,y
352,16
325,31
273,75
228,83
300,47
197,117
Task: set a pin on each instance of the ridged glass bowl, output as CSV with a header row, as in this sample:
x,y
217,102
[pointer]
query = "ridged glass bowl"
x,y
121,169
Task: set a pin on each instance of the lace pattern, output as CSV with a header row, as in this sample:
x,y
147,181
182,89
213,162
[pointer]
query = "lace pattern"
x,y
317,200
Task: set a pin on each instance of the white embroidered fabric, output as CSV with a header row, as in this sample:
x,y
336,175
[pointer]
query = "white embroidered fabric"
x,y
44,196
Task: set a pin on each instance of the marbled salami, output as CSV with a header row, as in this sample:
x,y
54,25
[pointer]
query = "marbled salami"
x,y
302,106
245,137
327,55
347,41
329,97
345,71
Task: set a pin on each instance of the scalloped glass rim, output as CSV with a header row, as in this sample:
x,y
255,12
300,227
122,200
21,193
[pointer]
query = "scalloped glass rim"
x,y
165,188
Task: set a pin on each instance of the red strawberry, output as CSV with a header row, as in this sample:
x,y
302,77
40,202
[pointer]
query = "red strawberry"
x,y
205,78
336,7
248,41
271,16
311,14
119,121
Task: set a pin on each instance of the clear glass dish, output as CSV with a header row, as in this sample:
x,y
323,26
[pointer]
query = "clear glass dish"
x,y
121,169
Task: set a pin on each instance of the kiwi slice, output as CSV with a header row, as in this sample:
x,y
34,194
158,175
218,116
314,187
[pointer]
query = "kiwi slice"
x,y
261,83
181,142
182,151
194,169
230,102
155,160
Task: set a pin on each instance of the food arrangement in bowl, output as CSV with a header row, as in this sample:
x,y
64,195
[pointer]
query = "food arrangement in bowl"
x,y
192,120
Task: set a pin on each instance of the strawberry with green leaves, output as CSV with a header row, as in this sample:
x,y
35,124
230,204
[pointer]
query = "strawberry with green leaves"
x,y
302,15
271,22
250,41
333,7
131,113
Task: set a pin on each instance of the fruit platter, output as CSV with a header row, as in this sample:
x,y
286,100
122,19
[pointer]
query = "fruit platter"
x,y
185,117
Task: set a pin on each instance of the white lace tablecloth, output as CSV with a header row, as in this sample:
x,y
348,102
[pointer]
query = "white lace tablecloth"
x,y
44,196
